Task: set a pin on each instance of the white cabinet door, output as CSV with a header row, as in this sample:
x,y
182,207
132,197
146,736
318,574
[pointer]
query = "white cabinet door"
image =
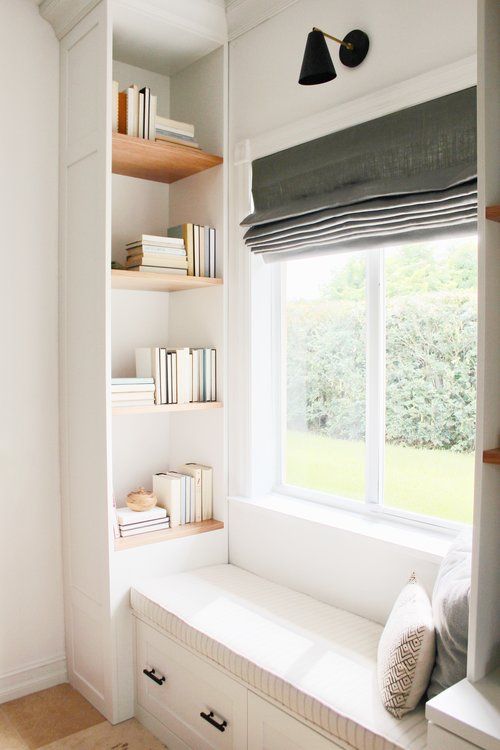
x,y
440,739
197,702
272,729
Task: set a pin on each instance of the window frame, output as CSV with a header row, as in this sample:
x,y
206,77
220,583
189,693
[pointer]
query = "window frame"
x,y
373,504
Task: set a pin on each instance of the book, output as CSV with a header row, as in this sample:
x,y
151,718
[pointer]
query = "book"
x,y
167,488
196,375
175,135
213,363
159,241
194,471
132,110
135,532
143,524
201,231
177,141
206,490
184,232
132,381
132,387
126,516
114,113
206,268
181,127
153,105
132,396
212,261
140,131
165,261
183,375
122,112
177,252
147,365
157,269
144,121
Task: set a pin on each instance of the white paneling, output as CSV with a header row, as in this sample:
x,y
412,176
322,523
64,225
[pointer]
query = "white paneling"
x,y
484,650
31,614
352,571
85,255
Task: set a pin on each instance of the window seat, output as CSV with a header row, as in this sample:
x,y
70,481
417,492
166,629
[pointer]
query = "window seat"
x,y
317,661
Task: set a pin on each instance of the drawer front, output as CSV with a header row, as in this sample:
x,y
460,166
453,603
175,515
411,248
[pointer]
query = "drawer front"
x,y
190,687
272,729
440,739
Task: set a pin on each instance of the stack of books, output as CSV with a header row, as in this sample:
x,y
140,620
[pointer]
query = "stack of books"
x,y
157,254
132,391
186,494
132,523
134,111
180,376
200,244
172,131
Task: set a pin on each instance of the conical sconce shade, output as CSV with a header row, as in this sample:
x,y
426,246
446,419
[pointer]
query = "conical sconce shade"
x,y
317,65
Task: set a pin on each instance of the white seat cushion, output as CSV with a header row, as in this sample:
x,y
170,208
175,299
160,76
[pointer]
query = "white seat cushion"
x,y
317,660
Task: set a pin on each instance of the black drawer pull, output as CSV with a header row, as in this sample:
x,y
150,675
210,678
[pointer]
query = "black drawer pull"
x,y
210,718
152,676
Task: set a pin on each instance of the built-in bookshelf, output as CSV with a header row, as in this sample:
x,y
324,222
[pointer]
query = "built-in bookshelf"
x,y
493,213
159,282
155,537
160,162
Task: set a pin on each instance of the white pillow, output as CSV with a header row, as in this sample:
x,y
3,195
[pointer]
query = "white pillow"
x,y
406,650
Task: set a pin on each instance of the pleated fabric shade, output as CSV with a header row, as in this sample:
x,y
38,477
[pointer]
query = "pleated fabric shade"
x,y
405,177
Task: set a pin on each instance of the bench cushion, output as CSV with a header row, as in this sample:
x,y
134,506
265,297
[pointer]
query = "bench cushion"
x,y
316,660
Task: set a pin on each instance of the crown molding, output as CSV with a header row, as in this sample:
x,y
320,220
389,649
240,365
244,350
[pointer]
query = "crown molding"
x,y
243,15
64,14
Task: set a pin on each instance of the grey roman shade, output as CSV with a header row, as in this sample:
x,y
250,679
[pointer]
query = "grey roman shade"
x,y
404,177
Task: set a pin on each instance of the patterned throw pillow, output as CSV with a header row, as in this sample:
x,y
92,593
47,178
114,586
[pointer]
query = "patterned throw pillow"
x,y
406,650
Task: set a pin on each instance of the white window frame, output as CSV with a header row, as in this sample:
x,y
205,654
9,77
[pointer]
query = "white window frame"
x,y
375,442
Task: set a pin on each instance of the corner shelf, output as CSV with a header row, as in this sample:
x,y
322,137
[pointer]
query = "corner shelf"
x,y
493,213
492,456
167,408
158,161
159,282
153,537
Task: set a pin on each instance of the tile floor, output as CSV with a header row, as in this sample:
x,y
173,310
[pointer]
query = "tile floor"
x,y
61,719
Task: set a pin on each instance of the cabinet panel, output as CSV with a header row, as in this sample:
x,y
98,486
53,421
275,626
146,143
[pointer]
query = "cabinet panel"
x,y
440,739
272,729
190,687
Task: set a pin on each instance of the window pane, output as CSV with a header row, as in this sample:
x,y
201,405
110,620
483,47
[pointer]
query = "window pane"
x,y
325,381
431,337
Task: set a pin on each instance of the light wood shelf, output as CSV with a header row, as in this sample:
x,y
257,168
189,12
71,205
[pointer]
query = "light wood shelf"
x,y
159,282
167,408
158,161
491,456
493,213
153,537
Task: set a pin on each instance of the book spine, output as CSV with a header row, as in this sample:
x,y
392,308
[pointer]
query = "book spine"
x,y
153,104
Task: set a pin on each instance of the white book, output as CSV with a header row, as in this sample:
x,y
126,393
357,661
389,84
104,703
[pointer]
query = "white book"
x,y
206,490
158,240
126,516
167,488
128,395
194,471
213,362
132,381
213,269
174,377
196,375
135,532
201,376
133,110
140,131
192,494
138,404
132,388
159,269
153,105
183,375
116,87
190,376
163,376
169,124
147,365
143,524
207,251
160,250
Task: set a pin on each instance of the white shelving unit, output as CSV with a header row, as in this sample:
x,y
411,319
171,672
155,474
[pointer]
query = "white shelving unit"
x,y
183,57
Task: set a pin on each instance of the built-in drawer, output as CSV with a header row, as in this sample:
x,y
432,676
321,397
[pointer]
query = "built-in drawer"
x,y
197,702
272,729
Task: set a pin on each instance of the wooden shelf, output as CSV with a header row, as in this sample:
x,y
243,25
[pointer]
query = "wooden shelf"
x,y
491,456
153,537
159,282
167,408
493,213
158,161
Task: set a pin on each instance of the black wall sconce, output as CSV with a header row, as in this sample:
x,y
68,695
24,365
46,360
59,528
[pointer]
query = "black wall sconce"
x,y
317,65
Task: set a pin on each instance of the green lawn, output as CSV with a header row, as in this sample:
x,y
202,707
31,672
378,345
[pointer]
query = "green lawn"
x,y
434,482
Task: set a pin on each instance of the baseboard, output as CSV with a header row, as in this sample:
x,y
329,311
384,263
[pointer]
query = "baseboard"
x,y
34,677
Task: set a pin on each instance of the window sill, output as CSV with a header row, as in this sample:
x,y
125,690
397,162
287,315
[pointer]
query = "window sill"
x,y
428,544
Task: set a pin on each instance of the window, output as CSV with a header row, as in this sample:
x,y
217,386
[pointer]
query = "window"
x,y
380,381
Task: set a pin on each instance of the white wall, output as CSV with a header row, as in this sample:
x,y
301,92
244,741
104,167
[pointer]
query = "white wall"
x,y
340,566
31,614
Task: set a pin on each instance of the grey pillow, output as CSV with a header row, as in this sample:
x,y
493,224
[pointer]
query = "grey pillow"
x,y
450,608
